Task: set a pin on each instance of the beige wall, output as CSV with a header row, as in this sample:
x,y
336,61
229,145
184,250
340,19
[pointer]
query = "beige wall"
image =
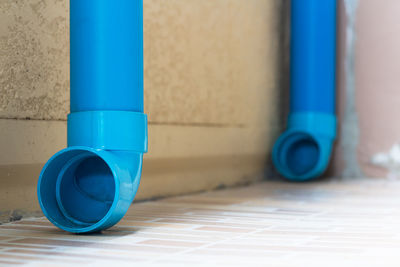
x,y
212,77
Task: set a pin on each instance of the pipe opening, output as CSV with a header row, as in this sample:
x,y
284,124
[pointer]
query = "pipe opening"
x,y
299,153
85,189
77,189
302,156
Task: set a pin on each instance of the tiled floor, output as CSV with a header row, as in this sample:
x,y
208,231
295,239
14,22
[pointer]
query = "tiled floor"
x,y
320,224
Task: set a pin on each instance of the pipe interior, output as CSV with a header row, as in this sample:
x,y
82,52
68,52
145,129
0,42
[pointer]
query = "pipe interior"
x,y
77,189
85,189
299,153
302,156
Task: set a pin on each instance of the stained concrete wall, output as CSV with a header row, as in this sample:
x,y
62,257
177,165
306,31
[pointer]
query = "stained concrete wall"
x,y
213,80
369,95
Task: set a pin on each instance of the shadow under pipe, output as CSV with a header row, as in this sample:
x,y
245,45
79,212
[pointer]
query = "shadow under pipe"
x,y
303,152
90,185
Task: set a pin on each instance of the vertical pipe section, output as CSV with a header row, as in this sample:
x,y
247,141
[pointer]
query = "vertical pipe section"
x,y
303,151
106,55
89,186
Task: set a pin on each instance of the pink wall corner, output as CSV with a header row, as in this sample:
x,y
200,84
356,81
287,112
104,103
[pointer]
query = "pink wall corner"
x,y
377,79
377,82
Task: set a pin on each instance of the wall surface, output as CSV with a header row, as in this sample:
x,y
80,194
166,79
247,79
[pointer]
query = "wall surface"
x,y
212,90
369,95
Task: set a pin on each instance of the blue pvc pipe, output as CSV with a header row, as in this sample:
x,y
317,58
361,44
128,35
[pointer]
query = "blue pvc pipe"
x,y
90,185
106,55
303,152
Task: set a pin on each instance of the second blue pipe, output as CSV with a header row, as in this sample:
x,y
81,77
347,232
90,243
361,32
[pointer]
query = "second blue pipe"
x,y
304,150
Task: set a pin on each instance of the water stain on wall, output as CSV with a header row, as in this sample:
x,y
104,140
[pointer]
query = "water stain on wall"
x,y
350,129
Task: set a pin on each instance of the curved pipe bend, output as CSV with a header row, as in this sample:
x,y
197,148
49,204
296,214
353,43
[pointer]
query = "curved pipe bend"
x,y
304,150
90,185
84,190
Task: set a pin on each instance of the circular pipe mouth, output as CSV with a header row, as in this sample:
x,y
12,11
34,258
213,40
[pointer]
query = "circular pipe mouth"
x,y
297,156
79,190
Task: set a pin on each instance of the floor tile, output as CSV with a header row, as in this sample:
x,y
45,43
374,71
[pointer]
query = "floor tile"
x,y
326,223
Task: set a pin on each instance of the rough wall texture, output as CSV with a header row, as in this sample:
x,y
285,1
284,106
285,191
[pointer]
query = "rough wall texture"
x,y
34,59
203,59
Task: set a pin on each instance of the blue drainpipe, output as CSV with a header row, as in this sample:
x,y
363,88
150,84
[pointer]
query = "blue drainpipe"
x,y
303,152
90,185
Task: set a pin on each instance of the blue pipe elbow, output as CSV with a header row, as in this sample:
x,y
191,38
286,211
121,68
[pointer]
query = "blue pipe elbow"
x,y
303,152
89,186
84,190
